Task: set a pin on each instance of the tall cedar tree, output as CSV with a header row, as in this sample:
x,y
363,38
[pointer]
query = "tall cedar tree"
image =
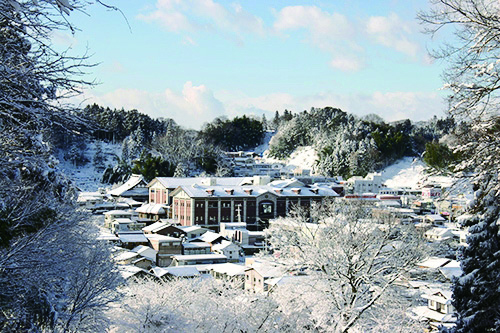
x,y
474,79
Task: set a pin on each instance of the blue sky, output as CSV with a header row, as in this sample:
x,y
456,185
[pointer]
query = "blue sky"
x,y
193,60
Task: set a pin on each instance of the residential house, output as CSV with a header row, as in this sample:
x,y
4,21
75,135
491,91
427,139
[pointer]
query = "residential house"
x,y
258,274
135,188
198,259
229,272
439,310
196,248
229,249
131,239
166,247
153,212
167,273
434,219
439,234
112,215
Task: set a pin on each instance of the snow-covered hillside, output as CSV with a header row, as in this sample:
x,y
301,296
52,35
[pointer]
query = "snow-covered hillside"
x,y
86,177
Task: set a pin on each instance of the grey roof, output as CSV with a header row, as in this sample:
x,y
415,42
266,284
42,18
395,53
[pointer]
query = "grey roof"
x,y
174,182
202,191
132,182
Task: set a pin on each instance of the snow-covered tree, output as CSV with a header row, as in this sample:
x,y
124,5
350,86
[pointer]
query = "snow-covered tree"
x,y
201,305
474,80
99,160
45,249
353,256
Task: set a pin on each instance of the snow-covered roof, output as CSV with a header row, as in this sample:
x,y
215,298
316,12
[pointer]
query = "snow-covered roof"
x,y
434,262
203,191
118,212
209,237
267,270
152,208
439,232
107,237
162,238
146,252
174,182
425,312
154,227
439,295
191,228
434,217
229,269
132,182
185,257
224,244
195,245
126,256
132,238
127,271
179,271
122,221
451,269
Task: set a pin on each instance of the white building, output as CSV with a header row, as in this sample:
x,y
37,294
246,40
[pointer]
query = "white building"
x,y
372,183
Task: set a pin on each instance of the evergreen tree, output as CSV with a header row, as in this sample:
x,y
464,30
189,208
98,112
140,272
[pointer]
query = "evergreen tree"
x,y
99,158
474,78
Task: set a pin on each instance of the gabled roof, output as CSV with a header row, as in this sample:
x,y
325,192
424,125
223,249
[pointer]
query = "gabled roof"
x,y
229,269
155,227
146,252
152,208
132,182
174,182
180,271
224,244
204,191
132,237
209,237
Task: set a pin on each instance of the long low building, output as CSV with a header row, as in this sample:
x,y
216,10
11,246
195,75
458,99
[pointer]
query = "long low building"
x,y
209,205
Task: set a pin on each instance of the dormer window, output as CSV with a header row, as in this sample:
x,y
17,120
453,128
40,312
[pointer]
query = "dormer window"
x,y
249,191
296,190
229,191
315,190
210,191
279,190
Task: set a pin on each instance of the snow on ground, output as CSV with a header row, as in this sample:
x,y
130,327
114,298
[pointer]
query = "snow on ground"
x,y
407,172
413,173
265,143
303,157
85,177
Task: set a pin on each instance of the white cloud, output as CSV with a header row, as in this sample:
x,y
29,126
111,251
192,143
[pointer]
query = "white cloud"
x,y
347,64
191,107
204,15
333,33
392,32
390,106
195,105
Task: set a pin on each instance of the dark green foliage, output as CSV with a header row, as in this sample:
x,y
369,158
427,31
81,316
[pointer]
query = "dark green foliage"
x,y
153,166
349,146
116,125
117,174
233,135
438,156
476,296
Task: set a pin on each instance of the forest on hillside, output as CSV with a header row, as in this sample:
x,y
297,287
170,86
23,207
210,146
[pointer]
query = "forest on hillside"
x,y
347,145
